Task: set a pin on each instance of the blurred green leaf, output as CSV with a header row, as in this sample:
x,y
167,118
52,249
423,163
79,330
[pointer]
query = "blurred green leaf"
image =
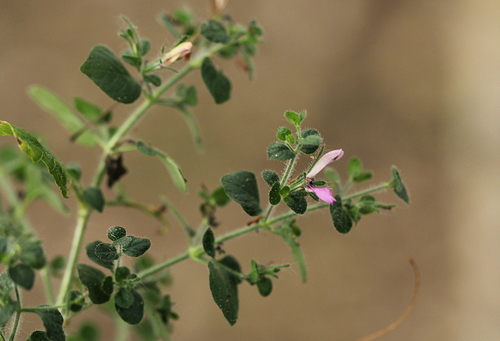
x,y
53,323
54,105
22,275
94,198
37,152
214,31
208,242
398,186
216,82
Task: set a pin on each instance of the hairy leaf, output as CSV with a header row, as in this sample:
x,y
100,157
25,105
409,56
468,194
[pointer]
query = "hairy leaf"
x,y
224,290
37,152
134,312
216,82
242,188
109,74
208,242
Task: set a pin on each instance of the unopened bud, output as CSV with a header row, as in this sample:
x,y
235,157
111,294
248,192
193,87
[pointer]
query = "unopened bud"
x,y
218,6
181,50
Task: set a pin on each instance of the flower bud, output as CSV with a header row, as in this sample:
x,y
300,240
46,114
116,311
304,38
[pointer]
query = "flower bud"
x,y
181,50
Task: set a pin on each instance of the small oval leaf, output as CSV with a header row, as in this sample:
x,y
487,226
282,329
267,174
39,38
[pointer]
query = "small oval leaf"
x,y
109,74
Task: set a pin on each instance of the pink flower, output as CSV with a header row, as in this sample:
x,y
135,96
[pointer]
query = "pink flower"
x,y
323,193
181,50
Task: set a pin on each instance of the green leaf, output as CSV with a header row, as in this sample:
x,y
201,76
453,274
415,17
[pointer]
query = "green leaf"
x,y
124,298
214,31
74,170
363,176
130,58
93,279
354,167
224,290
310,141
22,275
90,248
283,132
38,335
187,94
398,186
270,177
8,309
132,314
122,273
296,202
215,81
53,323
288,234
32,255
144,47
242,188
106,252
220,197
165,309
265,286
340,216
109,74
94,198
91,111
293,118
51,103
274,194
37,152
172,167
134,246
152,79
208,242
279,151
147,150
73,295
116,232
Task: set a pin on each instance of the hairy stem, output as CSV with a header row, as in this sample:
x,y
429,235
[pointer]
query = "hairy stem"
x,y
81,224
18,316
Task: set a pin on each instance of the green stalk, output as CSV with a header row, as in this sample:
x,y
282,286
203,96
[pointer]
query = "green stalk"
x,y
44,274
81,224
18,316
160,266
367,191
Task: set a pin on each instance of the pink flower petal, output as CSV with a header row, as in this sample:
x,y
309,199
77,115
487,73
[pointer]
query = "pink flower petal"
x,y
329,157
323,193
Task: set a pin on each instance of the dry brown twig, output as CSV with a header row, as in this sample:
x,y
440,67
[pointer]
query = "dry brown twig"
x,y
408,309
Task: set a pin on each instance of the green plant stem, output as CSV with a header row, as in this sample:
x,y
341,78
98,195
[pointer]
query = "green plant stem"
x,y
286,176
189,231
18,315
81,224
122,329
160,266
367,191
44,274
193,126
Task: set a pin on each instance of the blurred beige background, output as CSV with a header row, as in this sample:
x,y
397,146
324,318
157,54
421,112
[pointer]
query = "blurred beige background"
x,y
410,83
